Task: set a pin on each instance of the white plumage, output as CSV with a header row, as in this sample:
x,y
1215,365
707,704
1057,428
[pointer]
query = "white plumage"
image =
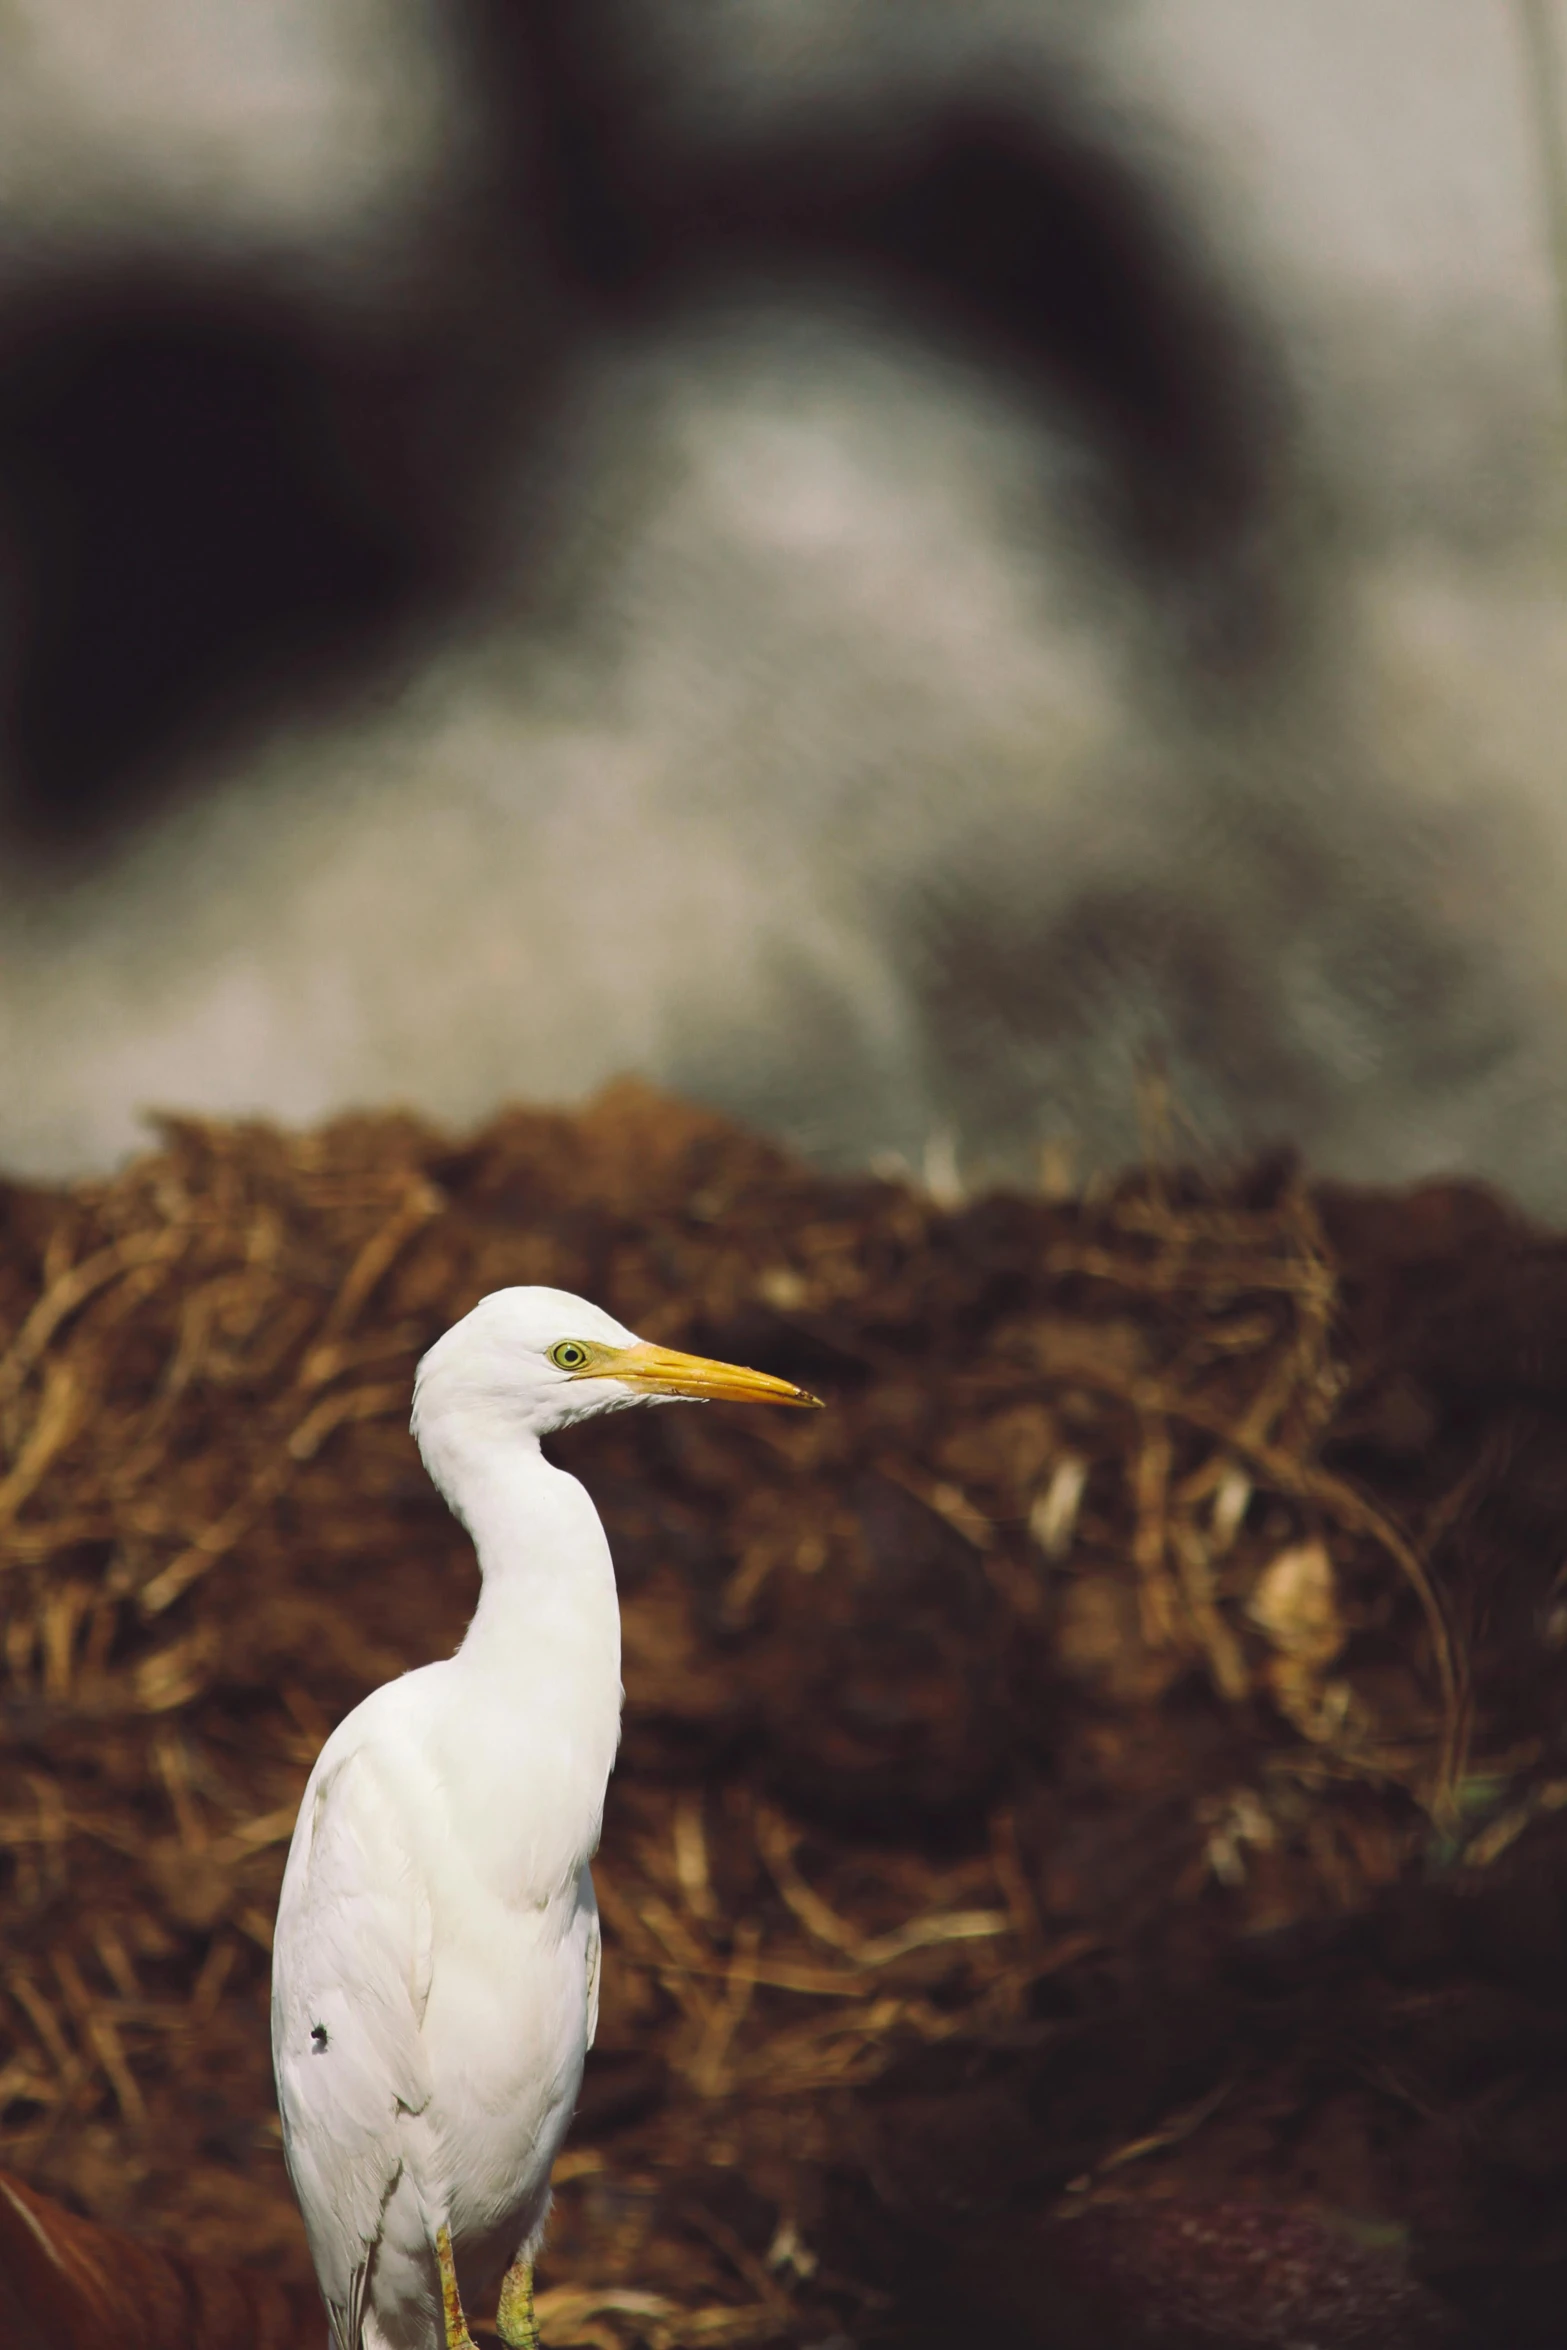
x,y
435,1970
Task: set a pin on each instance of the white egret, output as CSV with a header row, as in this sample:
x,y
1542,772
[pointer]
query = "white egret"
x,y
435,1971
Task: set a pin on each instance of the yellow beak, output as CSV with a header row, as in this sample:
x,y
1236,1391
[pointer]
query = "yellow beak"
x,y
658,1370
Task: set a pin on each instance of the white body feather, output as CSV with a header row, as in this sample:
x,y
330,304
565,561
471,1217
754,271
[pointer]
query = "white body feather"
x,y
435,1974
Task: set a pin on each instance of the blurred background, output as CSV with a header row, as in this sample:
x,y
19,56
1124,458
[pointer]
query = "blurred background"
x,y
901,570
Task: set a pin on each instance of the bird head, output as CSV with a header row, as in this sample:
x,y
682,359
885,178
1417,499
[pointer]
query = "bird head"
x,y
528,1361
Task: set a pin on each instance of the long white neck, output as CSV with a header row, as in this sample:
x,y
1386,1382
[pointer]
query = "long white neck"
x,y
545,1635
545,1563
525,1718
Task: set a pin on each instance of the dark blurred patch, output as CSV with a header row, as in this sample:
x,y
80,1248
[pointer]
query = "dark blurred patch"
x,y
217,495
1019,243
1015,235
618,2088
887,1693
1221,2276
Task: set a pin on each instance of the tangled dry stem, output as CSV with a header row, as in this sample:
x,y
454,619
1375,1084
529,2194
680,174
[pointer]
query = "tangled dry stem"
x,y
213,1537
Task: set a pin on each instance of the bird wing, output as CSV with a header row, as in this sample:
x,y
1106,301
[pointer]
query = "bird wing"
x,y
351,1976
594,1953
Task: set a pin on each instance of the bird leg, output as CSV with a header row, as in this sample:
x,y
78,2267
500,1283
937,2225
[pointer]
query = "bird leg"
x,y
456,2325
514,2320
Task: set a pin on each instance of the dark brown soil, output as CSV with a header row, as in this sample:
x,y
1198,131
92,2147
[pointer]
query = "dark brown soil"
x,y
1088,1862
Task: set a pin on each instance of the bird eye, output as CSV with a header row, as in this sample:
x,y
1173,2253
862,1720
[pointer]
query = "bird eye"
x,y
569,1355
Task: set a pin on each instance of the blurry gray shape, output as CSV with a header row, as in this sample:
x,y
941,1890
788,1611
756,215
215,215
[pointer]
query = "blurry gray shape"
x,y
324,125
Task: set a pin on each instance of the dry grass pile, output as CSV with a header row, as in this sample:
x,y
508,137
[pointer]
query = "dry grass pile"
x,y
1016,1751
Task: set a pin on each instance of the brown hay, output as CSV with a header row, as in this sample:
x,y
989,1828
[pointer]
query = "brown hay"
x,y
1076,1454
